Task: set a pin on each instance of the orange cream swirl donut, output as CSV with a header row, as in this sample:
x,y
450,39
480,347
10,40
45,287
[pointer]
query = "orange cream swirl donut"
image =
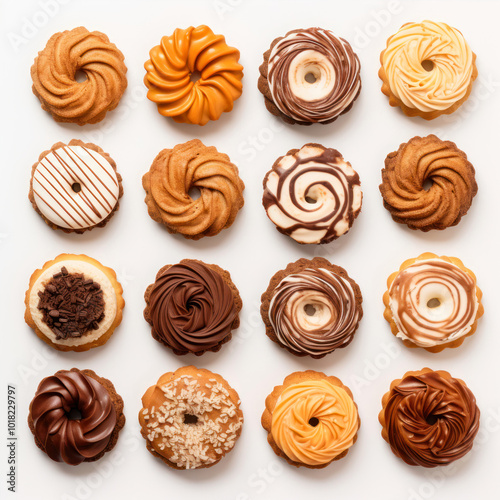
x,y
311,419
170,69
54,76
433,302
427,69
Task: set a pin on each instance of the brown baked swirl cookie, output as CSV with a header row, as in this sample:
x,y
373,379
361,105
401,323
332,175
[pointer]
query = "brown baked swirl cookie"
x,y
429,418
310,76
171,179
421,161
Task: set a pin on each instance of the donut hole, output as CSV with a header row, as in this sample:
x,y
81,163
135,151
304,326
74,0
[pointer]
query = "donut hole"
x,y
190,419
313,422
74,414
81,76
431,419
309,309
195,76
311,200
427,184
428,65
433,303
194,193
76,187
310,78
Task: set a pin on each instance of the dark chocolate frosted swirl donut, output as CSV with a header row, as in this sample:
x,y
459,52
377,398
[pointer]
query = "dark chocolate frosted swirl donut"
x,y
65,439
333,82
433,302
314,312
431,420
312,195
192,309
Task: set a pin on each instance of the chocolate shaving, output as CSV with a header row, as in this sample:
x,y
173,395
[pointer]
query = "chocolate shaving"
x,y
71,304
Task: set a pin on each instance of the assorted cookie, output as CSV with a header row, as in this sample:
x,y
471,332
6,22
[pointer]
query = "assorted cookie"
x,y
76,416
192,307
190,418
312,308
74,303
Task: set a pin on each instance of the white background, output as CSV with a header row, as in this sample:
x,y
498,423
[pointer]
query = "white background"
x,y
252,250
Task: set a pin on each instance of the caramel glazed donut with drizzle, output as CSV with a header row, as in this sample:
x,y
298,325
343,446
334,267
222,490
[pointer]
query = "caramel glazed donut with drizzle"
x,y
433,302
429,418
75,187
310,76
312,195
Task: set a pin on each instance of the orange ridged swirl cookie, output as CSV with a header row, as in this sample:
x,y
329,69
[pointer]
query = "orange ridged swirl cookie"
x,y
171,67
188,166
427,69
425,160
312,419
54,76
433,302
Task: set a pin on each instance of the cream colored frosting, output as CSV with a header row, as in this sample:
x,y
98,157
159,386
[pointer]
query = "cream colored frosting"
x,y
90,272
337,422
449,54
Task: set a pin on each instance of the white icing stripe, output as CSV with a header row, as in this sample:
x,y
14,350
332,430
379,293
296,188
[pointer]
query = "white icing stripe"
x,y
55,197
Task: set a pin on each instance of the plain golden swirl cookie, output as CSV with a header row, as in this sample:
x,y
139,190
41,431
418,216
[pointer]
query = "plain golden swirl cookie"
x,y
76,416
429,418
311,420
190,418
175,172
180,56
75,187
433,302
54,76
312,308
422,161
427,69
74,303
310,76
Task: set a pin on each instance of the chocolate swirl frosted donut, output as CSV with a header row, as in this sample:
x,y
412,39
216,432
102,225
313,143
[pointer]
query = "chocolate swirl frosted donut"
x,y
433,302
429,418
312,308
417,162
312,194
54,76
192,307
192,165
310,76
75,416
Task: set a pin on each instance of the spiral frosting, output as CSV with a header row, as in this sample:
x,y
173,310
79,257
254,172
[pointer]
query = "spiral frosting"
x,y
314,421
315,311
429,418
312,195
54,82
449,61
171,66
191,308
312,75
433,301
175,172
418,162
65,439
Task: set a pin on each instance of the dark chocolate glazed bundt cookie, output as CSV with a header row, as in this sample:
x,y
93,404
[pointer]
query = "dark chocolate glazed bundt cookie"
x,y
310,76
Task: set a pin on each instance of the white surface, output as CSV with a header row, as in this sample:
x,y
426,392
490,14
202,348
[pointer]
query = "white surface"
x,y
252,250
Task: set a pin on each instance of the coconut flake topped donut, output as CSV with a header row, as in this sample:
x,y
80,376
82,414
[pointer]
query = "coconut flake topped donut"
x,y
310,76
75,187
427,69
312,195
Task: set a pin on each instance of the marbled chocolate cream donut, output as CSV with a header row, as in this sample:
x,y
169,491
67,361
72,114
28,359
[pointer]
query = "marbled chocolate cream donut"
x,y
192,307
310,76
55,69
433,302
429,418
312,308
75,187
312,194
75,416
421,161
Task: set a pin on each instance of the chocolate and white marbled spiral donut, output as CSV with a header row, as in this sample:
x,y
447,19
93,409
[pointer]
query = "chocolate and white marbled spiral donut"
x,y
312,195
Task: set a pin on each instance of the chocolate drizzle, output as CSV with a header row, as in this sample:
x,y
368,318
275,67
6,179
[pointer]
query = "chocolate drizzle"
x,y
71,304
